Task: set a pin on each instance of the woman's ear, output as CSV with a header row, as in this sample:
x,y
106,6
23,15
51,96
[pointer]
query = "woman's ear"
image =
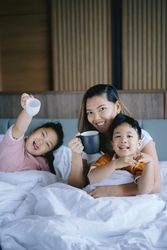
x,y
118,106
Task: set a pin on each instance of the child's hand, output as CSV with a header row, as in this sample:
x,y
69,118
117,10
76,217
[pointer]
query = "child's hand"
x,y
130,160
24,98
76,145
126,161
143,157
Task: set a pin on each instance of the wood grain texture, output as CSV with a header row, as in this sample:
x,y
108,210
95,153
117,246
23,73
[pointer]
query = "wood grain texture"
x,y
57,104
81,43
24,46
144,44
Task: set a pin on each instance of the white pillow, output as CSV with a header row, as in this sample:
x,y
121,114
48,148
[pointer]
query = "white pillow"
x,y
1,137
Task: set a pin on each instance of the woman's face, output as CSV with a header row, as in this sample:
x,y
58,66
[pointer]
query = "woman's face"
x,y
101,112
41,141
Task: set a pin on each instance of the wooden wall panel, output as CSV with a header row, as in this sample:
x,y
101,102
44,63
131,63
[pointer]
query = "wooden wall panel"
x,y
81,37
144,44
24,46
143,105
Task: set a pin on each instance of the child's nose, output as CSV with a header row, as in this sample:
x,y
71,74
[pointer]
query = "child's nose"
x,y
39,142
124,139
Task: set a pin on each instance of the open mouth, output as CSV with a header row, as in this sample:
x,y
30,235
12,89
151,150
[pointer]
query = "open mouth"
x,y
35,146
100,125
123,147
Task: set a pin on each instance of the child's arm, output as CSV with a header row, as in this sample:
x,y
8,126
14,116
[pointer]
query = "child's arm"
x,y
145,183
97,174
23,120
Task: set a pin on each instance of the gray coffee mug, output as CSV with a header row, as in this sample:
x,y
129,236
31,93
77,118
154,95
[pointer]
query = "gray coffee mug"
x,y
90,141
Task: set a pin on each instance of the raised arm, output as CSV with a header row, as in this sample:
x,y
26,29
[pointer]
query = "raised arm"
x,y
23,120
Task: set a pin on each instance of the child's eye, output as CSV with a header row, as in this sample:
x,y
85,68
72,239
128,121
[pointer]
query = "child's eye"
x,y
49,145
116,136
44,134
130,136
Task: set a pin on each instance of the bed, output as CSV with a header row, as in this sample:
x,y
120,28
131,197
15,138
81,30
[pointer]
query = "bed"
x,y
38,212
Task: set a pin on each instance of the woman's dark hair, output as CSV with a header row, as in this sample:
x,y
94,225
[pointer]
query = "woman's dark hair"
x,y
57,127
98,90
120,119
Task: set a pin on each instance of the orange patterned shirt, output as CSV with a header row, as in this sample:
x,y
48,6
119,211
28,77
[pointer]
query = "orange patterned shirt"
x,y
135,170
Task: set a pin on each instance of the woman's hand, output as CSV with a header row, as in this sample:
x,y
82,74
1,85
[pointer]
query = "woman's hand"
x,y
143,157
129,189
76,145
78,165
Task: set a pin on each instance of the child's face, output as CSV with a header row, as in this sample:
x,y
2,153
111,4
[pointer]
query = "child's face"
x,y
41,141
125,140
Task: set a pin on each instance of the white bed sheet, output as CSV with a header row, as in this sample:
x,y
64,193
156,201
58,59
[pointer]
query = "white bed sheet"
x,y
38,213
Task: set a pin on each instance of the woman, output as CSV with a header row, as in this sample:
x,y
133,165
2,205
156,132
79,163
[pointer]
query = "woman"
x,y
99,107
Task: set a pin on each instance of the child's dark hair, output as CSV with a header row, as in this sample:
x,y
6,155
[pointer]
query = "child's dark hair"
x,y
120,119
57,127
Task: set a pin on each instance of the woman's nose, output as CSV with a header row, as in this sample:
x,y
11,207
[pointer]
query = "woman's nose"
x,y
96,116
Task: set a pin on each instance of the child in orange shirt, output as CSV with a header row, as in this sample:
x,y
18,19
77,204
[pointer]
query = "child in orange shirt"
x,y
125,134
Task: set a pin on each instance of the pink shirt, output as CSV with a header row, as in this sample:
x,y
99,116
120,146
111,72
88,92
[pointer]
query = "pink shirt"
x,y
14,156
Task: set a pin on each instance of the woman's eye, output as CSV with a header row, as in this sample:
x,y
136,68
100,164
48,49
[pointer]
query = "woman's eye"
x,y
89,113
102,108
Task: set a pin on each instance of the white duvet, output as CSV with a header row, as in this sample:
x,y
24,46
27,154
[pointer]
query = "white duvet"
x,y
39,213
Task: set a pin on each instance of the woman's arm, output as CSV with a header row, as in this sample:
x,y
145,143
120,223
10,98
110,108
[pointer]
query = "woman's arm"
x,y
77,177
150,149
129,189
145,182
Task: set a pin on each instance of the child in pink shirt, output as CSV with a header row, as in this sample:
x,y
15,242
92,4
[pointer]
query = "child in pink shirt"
x,y
34,152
